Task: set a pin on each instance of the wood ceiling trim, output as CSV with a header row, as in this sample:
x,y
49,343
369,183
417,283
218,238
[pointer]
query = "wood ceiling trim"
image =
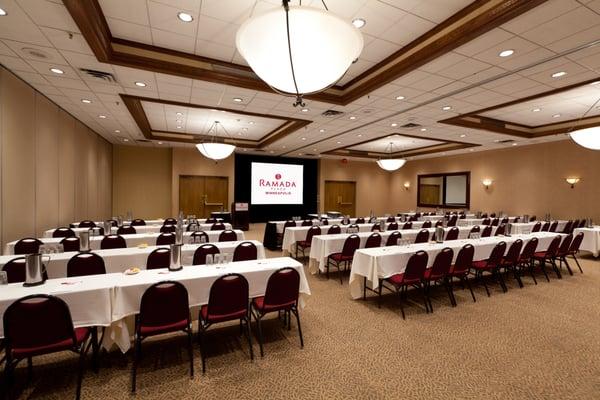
x,y
136,109
472,21
476,120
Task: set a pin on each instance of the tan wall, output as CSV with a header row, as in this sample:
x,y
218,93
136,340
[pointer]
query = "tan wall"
x,y
527,180
51,169
372,184
142,181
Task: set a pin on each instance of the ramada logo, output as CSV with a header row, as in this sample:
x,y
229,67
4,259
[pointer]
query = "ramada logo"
x,y
276,183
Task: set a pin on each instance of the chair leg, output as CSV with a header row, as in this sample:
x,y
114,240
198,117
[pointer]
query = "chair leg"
x,y
29,369
247,320
365,288
428,291
450,292
297,314
136,356
327,270
564,258
517,275
95,349
577,262
379,297
465,279
201,343
501,279
485,285
260,337
80,371
8,378
341,273
425,297
543,267
555,268
190,351
402,306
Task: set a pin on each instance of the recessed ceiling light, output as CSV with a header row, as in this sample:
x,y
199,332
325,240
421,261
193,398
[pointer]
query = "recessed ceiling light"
x,y
359,135
251,122
303,138
471,150
305,110
423,129
463,135
321,130
86,101
496,140
244,129
179,114
102,116
299,154
57,71
117,131
140,84
271,152
159,142
353,117
125,140
178,126
514,144
339,142
595,83
399,97
394,124
358,22
2,12
446,108
283,147
556,116
185,17
506,53
559,74
237,99
536,110
245,149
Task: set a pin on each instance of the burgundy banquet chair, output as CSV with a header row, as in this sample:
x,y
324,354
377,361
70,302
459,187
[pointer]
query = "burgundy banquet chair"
x,y
536,227
452,233
351,244
374,240
245,251
392,240
426,224
475,229
511,260
168,228
525,260
575,245
407,225
302,245
460,269
492,266
422,236
138,222
159,258
28,246
113,242
549,255
218,226
71,243
563,252
83,264
334,230
201,234
86,224
62,232
165,239
439,273
203,251
126,230
228,236
487,231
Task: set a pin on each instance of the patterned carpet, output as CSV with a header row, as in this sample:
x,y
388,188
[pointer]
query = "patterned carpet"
x,y
539,342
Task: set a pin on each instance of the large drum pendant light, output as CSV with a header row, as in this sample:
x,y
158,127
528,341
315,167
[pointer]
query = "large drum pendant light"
x,y
214,149
299,50
391,163
587,137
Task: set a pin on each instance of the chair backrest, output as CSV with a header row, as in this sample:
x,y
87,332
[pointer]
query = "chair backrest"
x,y
217,226
170,221
500,230
439,222
495,221
351,244
422,236
464,259
85,263
113,242
126,230
462,216
71,243
563,250
312,231
289,224
536,227
164,303
441,264
576,243
532,218
529,249
514,251
426,224
475,229
497,254
86,223
228,236
452,220
15,270
334,229
486,221
165,238
374,240
37,322
211,220
517,219
283,287
487,231
392,240
63,231
452,233
504,221
324,221
407,225
553,247
581,223
27,246
353,226
416,265
245,251
138,222
546,227
574,225
567,228
392,226
484,215
390,219
360,220
375,227
159,258
307,222
493,215
168,228
553,226
202,234
202,251
228,295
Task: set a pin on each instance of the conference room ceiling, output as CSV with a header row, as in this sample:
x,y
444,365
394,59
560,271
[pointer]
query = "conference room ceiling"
x,y
554,36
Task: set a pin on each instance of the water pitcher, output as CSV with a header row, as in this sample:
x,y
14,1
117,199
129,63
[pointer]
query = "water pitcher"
x,y
35,270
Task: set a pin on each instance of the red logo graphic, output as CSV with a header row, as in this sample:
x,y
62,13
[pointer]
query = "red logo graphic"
x,y
278,176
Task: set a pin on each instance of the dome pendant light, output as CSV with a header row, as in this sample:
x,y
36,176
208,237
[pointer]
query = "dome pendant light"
x,y
391,163
587,137
213,149
299,50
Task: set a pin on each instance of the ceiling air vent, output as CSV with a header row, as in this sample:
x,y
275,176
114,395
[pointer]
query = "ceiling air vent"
x,y
410,125
331,113
506,141
37,53
105,76
142,140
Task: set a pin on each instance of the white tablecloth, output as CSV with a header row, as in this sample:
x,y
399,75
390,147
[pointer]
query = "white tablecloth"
x,y
383,262
133,240
591,239
112,300
158,221
138,229
337,221
118,260
526,227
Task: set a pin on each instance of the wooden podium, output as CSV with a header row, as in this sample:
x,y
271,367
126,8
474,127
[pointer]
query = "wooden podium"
x,y
240,216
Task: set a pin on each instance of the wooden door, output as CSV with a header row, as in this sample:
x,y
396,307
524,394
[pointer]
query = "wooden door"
x,y
201,195
340,196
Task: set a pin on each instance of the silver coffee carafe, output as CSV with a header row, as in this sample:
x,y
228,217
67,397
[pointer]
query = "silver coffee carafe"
x,y
175,264
35,270
107,227
84,241
178,235
439,234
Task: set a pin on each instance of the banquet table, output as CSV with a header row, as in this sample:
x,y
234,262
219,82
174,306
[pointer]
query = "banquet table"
x,y
383,262
470,221
132,240
112,300
526,227
118,260
158,221
324,245
138,229
591,239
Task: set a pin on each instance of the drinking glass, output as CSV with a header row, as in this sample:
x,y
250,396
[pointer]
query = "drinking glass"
x,y
209,259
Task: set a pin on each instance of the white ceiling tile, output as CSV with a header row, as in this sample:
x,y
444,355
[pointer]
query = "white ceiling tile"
x,y
129,31
173,41
134,11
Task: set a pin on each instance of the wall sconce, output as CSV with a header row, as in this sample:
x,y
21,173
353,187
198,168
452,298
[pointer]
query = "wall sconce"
x,y
572,181
406,185
487,183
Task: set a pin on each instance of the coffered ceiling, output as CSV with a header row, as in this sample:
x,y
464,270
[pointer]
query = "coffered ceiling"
x,y
426,62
